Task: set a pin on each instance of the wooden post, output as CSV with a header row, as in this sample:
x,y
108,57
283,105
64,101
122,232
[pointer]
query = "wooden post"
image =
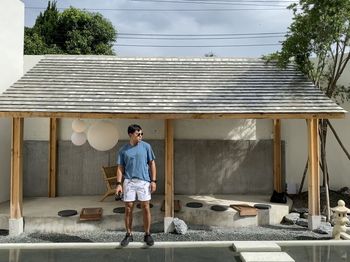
x,y
16,197
169,175
314,176
52,157
277,174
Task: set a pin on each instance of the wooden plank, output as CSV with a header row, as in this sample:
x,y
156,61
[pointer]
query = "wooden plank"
x,y
91,214
53,157
245,209
174,115
16,195
314,176
277,174
169,168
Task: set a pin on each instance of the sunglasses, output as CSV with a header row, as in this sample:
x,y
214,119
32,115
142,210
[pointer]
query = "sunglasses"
x,y
139,134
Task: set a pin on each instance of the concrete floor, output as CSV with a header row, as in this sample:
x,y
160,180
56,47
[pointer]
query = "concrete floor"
x,y
40,213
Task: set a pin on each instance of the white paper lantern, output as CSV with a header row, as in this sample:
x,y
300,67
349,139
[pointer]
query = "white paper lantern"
x,y
78,125
78,139
103,135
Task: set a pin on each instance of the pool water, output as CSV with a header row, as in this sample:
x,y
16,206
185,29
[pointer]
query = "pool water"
x,y
302,253
199,254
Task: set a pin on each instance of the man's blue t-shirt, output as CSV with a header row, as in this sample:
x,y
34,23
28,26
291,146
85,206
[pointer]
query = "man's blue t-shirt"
x,y
135,160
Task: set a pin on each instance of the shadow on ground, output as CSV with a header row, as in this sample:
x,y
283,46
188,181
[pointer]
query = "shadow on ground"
x,y
58,238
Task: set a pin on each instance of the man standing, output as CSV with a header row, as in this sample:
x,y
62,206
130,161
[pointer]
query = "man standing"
x,y
136,163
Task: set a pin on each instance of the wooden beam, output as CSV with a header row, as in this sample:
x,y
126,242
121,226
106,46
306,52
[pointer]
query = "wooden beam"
x,y
53,157
277,174
164,116
314,176
169,168
16,195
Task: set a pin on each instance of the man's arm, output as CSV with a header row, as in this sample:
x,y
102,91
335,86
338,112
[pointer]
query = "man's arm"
x,y
152,166
120,172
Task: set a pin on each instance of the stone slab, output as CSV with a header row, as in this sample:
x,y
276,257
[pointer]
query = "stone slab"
x,y
266,257
245,246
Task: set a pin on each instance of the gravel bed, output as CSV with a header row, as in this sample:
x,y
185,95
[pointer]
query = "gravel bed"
x,y
194,233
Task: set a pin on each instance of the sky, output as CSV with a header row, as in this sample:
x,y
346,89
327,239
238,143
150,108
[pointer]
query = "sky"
x,y
225,28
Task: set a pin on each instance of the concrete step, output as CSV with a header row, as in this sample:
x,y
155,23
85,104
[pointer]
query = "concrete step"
x,y
256,246
266,257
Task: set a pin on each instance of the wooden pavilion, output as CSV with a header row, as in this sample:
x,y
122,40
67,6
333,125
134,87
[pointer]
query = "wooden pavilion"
x,y
103,87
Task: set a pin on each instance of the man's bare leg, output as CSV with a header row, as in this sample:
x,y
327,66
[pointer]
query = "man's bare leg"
x,y
129,206
146,216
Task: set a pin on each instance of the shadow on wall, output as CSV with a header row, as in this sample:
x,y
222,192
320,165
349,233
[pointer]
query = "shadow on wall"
x,y
223,167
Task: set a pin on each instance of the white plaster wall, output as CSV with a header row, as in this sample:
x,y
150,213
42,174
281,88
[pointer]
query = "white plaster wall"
x,y
11,68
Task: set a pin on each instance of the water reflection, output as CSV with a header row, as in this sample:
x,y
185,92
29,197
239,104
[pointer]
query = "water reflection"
x,y
129,254
331,253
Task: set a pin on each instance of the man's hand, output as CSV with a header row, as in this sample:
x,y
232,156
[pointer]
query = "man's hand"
x,y
153,187
118,190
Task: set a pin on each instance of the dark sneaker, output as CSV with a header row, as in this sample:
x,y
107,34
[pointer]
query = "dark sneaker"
x,y
127,239
149,240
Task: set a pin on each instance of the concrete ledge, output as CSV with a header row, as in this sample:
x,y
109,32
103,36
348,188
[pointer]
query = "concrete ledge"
x,y
114,245
4,221
41,213
170,244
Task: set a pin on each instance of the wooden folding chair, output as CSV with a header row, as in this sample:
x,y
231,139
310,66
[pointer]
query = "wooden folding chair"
x,y
110,177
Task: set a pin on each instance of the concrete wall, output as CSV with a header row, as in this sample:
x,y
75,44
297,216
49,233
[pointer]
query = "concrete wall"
x,y
201,167
11,68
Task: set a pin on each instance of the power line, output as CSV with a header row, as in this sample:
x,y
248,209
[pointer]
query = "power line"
x,y
197,35
231,1
240,3
167,10
196,38
197,46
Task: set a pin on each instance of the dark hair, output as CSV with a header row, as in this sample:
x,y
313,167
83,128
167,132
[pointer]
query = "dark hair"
x,y
133,128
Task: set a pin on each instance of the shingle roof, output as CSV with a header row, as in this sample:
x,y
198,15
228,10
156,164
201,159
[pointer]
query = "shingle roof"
x,y
106,84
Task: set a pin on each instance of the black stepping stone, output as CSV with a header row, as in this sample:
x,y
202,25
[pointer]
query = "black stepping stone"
x,y
262,206
219,208
119,210
4,232
194,204
67,213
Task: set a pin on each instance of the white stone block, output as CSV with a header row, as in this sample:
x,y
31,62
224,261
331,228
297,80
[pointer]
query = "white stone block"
x,y
266,257
314,222
16,226
168,224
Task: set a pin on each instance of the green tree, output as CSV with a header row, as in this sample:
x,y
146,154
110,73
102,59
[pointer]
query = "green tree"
x,y
71,32
317,43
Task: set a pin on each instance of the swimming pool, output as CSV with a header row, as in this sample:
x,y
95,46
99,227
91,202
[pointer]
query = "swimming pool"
x,y
300,251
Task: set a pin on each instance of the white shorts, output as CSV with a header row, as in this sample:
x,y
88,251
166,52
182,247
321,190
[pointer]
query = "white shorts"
x,y
136,189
